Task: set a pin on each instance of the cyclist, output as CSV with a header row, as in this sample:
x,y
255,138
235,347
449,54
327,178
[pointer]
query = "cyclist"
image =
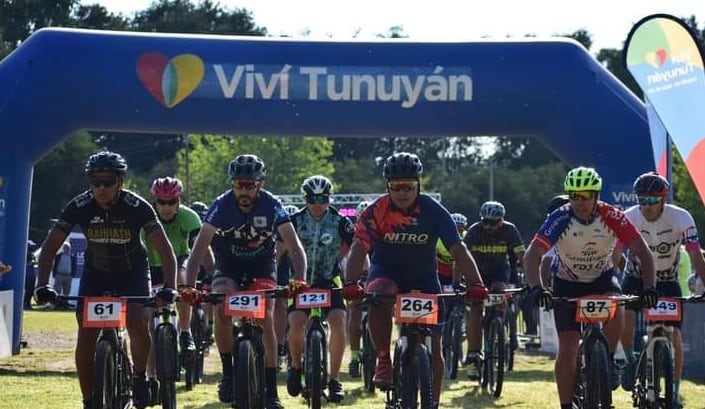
x,y
204,275
243,221
584,233
180,224
443,257
355,314
491,241
399,231
111,218
280,304
326,236
665,227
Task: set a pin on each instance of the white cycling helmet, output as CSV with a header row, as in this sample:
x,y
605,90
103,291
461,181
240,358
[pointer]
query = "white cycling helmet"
x,y
459,219
360,207
492,210
317,185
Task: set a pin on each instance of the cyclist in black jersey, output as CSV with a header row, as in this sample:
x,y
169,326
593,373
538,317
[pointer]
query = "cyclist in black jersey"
x,y
491,241
111,218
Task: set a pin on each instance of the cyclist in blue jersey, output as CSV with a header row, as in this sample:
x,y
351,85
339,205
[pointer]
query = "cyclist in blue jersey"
x,y
280,304
243,221
399,231
584,233
111,218
326,236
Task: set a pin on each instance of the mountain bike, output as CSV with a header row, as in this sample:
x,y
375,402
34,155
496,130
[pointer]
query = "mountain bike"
x,y
654,371
315,356
368,358
248,348
592,387
199,330
453,333
166,352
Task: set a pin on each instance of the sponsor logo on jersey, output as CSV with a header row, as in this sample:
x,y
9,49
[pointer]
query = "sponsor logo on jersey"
x,y
405,238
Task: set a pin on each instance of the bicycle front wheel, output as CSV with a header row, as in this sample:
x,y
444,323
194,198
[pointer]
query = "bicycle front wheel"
x,y
417,384
663,376
369,358
167,357
494,359
247,377
314,368
598,391
453,343
104,394
194,371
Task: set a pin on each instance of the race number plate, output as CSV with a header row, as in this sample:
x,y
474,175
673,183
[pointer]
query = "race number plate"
x,y
313,298
417,308
494,299
667,309
595,309
104,312
249,304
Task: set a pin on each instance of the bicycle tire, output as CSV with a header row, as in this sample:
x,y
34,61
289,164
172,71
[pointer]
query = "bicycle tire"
x,y
246,380
598,391
663,376
453,348
639,399
509,335
314,365
369,358
417,385
103,395
194,371
167,359
494,358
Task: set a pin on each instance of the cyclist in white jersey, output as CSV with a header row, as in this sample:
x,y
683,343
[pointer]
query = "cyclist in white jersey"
x,y
584,233
665,227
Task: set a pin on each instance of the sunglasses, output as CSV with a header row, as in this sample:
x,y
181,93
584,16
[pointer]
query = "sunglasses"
x,y
317,199
648,200
402,186
170,202
245,184
105,181
490,222
581,195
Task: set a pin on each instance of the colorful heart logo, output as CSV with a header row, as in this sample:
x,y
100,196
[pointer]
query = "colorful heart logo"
x,y
170,81
657,58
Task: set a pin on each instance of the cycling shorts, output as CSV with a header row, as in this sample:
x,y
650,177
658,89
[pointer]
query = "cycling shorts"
x,y
564,313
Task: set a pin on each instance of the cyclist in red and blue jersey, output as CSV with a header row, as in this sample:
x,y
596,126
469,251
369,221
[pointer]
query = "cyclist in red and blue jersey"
x,y
243,221
399,231
111,218
584,233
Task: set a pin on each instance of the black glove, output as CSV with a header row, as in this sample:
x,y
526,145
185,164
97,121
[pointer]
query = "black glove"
x,y
459,288
44,294
167,295
648,297
542,297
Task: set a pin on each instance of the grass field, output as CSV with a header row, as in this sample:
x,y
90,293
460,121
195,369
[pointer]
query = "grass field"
x,y
43,376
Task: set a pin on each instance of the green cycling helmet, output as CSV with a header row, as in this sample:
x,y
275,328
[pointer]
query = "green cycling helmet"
x,y
582,178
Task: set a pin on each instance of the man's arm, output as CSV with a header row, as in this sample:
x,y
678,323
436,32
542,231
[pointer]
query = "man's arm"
x,y
698,261
530,263
295,249
161,244
51,245
357,257
465,263
200,253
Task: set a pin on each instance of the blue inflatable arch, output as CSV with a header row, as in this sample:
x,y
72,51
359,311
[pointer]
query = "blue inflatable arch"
x,y
61,81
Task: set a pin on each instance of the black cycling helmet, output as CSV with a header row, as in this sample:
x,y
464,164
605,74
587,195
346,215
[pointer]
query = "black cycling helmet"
x,y
402,165
651,184
106,161
247,167
556,202
200,208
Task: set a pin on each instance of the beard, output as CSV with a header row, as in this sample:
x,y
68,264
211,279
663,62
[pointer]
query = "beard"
x,y
244,201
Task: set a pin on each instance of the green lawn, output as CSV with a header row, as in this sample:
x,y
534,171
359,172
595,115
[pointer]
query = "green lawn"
x,y
43,376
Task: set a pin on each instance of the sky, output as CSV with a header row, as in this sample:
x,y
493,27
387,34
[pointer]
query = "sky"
x,y
608,21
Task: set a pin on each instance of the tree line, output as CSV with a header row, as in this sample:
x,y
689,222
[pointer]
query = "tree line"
x,y
525,173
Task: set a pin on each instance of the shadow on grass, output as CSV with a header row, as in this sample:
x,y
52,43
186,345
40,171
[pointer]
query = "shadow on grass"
x,y
36,373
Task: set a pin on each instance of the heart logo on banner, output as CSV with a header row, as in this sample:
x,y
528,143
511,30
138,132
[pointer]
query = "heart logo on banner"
x,y
170,81
657,58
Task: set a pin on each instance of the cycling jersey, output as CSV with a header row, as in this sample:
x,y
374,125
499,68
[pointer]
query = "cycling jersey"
x,y
322,240
445,259
584,250
403,246
244,242
178,231
113,235
675,227
491,249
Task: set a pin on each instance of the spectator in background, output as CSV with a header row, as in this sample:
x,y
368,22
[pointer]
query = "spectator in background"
x,y
30,276
64,269
685,269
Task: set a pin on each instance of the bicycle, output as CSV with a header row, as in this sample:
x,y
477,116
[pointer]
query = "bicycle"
x,y
510,329
199,329
654,371
592,387
453,334
411,363
315,356
368,358
166,351
248,347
